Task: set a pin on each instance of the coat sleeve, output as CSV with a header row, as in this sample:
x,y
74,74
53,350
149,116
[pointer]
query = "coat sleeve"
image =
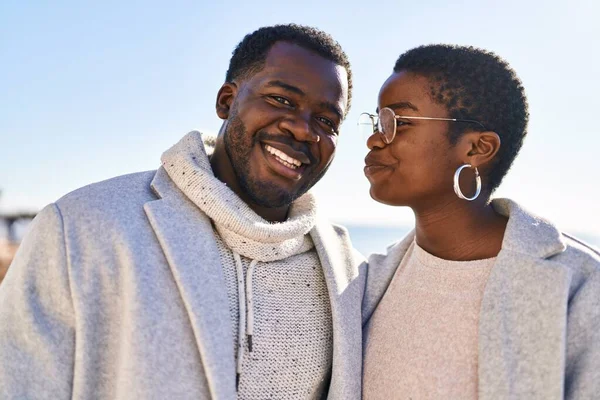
x,y
37,334
582,373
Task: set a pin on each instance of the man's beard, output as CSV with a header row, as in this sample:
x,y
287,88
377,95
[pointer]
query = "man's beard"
x,y
239,146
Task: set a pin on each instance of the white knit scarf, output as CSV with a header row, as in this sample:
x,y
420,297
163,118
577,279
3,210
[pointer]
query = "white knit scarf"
x,y
243,231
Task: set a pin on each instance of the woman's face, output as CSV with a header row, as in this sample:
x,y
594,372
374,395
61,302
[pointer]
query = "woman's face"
x,y
416,169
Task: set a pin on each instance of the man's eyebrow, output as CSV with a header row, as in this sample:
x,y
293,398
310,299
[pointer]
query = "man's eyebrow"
x,y
404,105
285,86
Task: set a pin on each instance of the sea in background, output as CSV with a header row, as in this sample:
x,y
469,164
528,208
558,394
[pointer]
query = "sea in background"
x,y
366,238
375,239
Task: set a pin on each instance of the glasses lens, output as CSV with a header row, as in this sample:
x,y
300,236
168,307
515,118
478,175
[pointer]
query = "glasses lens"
x,y
365,126
387,124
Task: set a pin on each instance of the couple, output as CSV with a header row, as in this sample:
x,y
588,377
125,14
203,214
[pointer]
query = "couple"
x,y
216,277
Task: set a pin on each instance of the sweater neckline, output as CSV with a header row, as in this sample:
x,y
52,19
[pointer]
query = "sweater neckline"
x,y
188,165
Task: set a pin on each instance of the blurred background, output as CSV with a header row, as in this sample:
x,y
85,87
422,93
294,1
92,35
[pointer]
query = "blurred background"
x,y
89,91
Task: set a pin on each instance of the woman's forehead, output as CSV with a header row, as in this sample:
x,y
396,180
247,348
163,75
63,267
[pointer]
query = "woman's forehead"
x,y
410,92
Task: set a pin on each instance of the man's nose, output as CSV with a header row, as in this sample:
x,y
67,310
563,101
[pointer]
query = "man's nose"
x,y
299,125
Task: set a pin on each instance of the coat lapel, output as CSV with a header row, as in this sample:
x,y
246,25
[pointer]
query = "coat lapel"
x,y
186,236
523,310
346,289
382,268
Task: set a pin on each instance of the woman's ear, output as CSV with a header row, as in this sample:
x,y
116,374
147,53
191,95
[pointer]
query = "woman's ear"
x,y
483,147
225,98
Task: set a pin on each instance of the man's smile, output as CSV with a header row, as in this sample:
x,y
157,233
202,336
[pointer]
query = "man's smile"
x,y
285,161
283,158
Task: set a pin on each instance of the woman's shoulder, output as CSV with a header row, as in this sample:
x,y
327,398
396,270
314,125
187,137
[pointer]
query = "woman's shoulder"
x,y
579,256
530,234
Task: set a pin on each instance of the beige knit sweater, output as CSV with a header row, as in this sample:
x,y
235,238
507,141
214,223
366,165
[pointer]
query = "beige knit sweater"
x,y
278,302
423,342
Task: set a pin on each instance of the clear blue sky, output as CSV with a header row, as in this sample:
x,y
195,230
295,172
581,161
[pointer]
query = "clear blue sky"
x,y
91,90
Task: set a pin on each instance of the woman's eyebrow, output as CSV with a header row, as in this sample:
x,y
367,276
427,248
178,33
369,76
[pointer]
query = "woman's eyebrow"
x,y
403,105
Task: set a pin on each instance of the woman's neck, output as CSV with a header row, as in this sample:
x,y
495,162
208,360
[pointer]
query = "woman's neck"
x,y
460,230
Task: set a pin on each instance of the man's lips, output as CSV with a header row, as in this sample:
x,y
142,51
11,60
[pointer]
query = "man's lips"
x,y
283,167
289,151
286,156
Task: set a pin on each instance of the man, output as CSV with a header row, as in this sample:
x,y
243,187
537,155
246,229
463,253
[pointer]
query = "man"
x,y
212,277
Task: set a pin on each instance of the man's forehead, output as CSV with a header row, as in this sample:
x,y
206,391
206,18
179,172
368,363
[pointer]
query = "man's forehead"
x,y
333,79
282,50
294,58
323,78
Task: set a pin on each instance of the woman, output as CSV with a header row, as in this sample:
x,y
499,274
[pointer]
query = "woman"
x,y
483,299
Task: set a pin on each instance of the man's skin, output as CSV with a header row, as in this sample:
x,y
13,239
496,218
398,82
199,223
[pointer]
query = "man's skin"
x,y
295,104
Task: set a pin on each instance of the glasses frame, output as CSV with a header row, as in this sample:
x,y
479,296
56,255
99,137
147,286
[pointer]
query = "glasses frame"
x,y
375,121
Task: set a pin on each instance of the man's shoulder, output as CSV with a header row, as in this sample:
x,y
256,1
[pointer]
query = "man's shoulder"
x,y
338,239
112,196
124,187
340,230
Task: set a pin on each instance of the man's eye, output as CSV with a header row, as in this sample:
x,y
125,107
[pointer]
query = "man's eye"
x,y
281,100
329,123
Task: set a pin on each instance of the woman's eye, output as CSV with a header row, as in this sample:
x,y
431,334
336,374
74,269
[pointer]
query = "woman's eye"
x,y
281,100
400,123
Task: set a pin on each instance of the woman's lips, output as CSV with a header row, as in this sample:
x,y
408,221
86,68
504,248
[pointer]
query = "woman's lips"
x,y
373,169
373,164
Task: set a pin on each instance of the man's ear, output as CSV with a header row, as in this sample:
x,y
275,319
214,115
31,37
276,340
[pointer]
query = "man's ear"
x,y
225,98
481,147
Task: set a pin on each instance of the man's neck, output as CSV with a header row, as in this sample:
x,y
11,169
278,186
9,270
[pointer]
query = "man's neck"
x,y
223,171
460,230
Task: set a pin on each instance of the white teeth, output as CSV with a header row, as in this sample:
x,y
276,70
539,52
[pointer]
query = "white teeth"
x,y
283,158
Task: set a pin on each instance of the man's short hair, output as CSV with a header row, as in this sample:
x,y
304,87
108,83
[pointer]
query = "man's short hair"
x,y
475,84
250,54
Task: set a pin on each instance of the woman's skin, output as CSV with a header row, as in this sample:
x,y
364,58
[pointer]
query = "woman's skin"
x,y
417,170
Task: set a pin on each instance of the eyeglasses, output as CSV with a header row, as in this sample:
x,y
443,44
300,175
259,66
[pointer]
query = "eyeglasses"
x,y
387,121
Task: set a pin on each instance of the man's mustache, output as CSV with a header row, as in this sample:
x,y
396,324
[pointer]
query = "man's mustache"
x,y
289,141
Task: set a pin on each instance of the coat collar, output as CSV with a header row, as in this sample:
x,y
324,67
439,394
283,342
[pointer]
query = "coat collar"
x,y
340,267
380,272
523,305
184,231
527,233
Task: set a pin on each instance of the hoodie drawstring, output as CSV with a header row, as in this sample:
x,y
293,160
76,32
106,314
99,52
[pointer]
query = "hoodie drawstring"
x,y
250,304
245,304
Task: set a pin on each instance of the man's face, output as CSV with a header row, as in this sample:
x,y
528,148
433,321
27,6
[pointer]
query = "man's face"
x,y
416,169
282,126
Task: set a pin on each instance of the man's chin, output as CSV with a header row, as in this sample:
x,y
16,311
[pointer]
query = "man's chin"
x,y
269,195
273,200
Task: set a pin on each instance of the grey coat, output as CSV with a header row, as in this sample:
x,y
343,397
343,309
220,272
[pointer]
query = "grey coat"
x,y
539,328
117,292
